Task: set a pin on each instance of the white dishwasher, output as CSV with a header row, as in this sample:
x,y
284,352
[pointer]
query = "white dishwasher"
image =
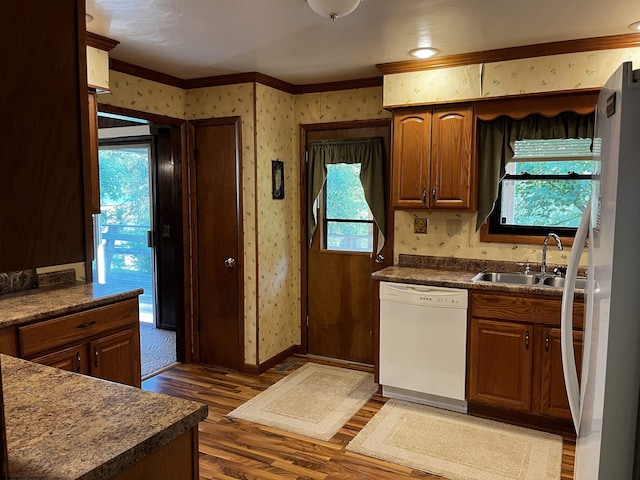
x,y
423,344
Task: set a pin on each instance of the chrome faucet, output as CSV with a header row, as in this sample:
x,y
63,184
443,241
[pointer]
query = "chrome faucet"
x,y
543,266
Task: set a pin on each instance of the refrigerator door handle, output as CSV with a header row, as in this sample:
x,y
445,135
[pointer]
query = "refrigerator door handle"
x,y
566,319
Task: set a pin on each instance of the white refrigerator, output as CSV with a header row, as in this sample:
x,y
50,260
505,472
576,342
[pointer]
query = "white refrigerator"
x,y
604,403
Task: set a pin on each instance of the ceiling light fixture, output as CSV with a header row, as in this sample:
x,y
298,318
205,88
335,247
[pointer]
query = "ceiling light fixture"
x,y
424,52
333,8
635,26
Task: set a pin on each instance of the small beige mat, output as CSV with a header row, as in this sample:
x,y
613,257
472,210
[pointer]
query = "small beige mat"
x,y
457,446
315,401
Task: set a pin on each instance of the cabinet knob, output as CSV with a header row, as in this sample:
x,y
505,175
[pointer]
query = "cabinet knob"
x,y
433,194
78,362
424,195
546,343
526,340
95,354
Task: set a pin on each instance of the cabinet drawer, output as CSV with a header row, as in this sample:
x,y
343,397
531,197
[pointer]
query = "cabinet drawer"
x,y
527,309
53,333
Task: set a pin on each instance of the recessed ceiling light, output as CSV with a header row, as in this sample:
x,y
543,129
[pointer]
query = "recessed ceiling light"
x,y
424,52
635,26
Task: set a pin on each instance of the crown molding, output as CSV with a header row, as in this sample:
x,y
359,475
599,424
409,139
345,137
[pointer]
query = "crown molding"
x,y
146,73
487,56
513,53
340,85
235,78
100,42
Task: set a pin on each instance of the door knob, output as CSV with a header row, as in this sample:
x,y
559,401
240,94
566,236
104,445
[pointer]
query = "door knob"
x,y
230,262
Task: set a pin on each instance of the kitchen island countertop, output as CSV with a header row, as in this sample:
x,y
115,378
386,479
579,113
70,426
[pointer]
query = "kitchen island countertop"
x,y
46,302
62,425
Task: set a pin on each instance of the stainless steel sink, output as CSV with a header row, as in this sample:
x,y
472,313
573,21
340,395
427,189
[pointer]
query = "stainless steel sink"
x,y
581,282
526,279
507,277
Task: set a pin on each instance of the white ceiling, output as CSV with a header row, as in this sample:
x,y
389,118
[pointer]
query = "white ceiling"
x,y
285,39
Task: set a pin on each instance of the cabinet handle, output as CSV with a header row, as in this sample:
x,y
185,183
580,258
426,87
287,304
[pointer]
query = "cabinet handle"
x,y
433,194
546,343
78,362
526,340
85,325
95,354
424,195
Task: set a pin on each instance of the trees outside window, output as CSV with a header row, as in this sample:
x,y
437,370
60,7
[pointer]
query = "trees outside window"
x,y
546,187
348,219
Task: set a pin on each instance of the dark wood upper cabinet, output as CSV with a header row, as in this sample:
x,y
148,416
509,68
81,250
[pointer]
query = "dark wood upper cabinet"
x,y
433,160
44,139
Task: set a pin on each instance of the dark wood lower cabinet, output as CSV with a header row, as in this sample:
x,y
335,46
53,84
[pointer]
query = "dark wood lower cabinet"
x,y
553,395
500,364
514,365
72,359
102,342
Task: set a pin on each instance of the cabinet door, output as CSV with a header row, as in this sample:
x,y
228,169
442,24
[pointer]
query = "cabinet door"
x,y
45,141
500,359
411,157
117,357
452,172
72,359
553,394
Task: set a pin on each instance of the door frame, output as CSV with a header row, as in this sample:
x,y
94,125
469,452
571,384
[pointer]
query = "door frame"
x,y
304,250
184,328
236,122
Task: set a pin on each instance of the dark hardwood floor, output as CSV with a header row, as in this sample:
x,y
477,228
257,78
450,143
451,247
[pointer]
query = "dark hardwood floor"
x,y
238,449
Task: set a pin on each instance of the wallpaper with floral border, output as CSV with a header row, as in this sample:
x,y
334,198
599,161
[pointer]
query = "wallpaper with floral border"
x,y
144,95
340,106
452,234
231,101
531,75
430,86
278,225
555,72
97,68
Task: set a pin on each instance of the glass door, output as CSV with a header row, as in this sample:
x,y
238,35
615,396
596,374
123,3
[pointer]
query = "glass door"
x,y
123,251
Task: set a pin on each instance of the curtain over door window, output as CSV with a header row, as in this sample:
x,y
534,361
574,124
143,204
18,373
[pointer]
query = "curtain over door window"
x,y
368,153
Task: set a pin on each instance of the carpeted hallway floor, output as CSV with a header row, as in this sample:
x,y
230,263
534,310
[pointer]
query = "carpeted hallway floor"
x,y
157,349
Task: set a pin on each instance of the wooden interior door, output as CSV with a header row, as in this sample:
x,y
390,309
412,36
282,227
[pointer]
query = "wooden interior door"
x,y
217,251
340,293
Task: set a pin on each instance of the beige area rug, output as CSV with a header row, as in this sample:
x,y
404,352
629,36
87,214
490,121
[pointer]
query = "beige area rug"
x,y
315,401
457,446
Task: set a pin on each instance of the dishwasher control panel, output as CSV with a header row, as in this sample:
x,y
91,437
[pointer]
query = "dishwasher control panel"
x,y
424,295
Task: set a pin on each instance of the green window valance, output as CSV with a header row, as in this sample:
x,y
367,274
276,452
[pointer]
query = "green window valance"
x,y
368,152
497,140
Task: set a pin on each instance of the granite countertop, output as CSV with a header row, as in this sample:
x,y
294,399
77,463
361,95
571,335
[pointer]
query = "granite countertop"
x,y
62,425
50,301
458,273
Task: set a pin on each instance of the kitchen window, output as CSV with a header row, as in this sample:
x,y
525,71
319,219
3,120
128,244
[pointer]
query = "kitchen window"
x,y
533,175
347,219
545,188
346,193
